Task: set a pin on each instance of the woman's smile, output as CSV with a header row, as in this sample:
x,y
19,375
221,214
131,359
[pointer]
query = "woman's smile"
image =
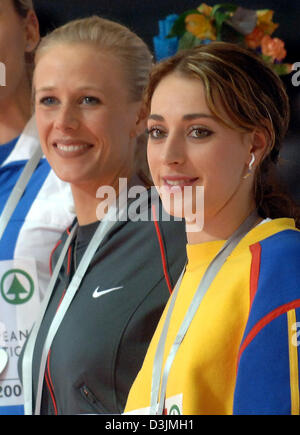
x,y
71,148
175,183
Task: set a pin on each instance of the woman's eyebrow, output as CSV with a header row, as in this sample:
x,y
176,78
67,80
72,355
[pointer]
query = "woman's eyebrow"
x,y
156,117
191,116
187,117
44,89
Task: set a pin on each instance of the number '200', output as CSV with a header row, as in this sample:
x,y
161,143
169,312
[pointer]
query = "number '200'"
x,y
9,391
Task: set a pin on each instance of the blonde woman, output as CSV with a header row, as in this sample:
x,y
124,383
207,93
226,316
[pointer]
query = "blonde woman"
x,y
35,206
228,339
109,292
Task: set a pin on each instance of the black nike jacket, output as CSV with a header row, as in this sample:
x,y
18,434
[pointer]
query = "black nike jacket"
x,y
103,338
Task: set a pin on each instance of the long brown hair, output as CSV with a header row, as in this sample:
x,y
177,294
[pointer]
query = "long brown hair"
x,y
252,96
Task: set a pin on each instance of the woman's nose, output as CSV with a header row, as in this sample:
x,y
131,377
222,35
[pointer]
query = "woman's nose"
x,y
173,151
66,118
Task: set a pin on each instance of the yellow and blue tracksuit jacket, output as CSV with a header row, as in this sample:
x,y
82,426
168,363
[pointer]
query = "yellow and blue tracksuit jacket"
x,y
241,352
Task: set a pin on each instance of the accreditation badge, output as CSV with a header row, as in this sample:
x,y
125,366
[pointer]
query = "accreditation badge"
x,y
19,305
173,406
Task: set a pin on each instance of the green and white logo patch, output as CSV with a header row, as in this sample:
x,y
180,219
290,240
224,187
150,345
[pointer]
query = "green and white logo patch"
x,y
16,286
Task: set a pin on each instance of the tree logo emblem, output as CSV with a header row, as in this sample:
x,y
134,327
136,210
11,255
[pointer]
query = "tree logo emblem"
x,y
16,286
174,410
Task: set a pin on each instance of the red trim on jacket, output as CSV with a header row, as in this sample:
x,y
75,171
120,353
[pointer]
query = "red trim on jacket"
x,y
264,321
254,271
48,378
51,255
162,251
50,384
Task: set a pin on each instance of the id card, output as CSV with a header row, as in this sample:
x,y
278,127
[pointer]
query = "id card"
x,y
19,305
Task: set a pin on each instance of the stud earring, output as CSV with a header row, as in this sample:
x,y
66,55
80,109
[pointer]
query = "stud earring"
x,y
250,167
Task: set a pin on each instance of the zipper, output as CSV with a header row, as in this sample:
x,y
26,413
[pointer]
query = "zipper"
x,y
90,397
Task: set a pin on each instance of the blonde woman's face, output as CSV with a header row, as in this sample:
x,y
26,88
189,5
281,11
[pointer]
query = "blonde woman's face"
x,y
85,119
188,146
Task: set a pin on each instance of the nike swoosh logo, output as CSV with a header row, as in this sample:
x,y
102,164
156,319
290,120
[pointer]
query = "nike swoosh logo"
x,y
97,292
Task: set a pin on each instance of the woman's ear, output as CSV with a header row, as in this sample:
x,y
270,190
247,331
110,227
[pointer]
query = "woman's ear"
x,y
32,32
141,122
259,145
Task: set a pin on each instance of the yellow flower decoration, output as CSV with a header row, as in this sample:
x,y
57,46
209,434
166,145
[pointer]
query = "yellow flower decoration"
x,y
205,9
200,26
264,21
223,22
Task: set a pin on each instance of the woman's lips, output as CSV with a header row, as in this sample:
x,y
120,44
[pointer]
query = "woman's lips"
x,y
181,182
175,184
71,149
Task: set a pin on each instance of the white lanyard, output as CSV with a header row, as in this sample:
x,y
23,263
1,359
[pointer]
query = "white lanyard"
x,y
18,190
104,227
28,353
159,379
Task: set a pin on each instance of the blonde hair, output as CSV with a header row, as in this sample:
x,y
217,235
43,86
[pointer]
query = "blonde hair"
x,y
119,41
113,38
252,97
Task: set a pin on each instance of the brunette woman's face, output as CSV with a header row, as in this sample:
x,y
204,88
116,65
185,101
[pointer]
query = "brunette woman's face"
x,y
18,36
86,121
189,146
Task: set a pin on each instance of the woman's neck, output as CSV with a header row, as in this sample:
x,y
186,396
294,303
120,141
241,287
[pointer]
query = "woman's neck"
x,y
86,204
222,225
88,200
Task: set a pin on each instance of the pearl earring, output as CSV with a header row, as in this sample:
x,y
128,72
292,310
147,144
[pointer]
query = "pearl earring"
x,y
250,167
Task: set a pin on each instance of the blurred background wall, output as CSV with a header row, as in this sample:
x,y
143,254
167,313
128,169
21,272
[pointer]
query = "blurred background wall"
x,y
142,17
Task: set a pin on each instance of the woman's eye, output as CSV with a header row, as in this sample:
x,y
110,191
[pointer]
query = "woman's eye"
x,y
48,101
90,101
156,133
199,133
